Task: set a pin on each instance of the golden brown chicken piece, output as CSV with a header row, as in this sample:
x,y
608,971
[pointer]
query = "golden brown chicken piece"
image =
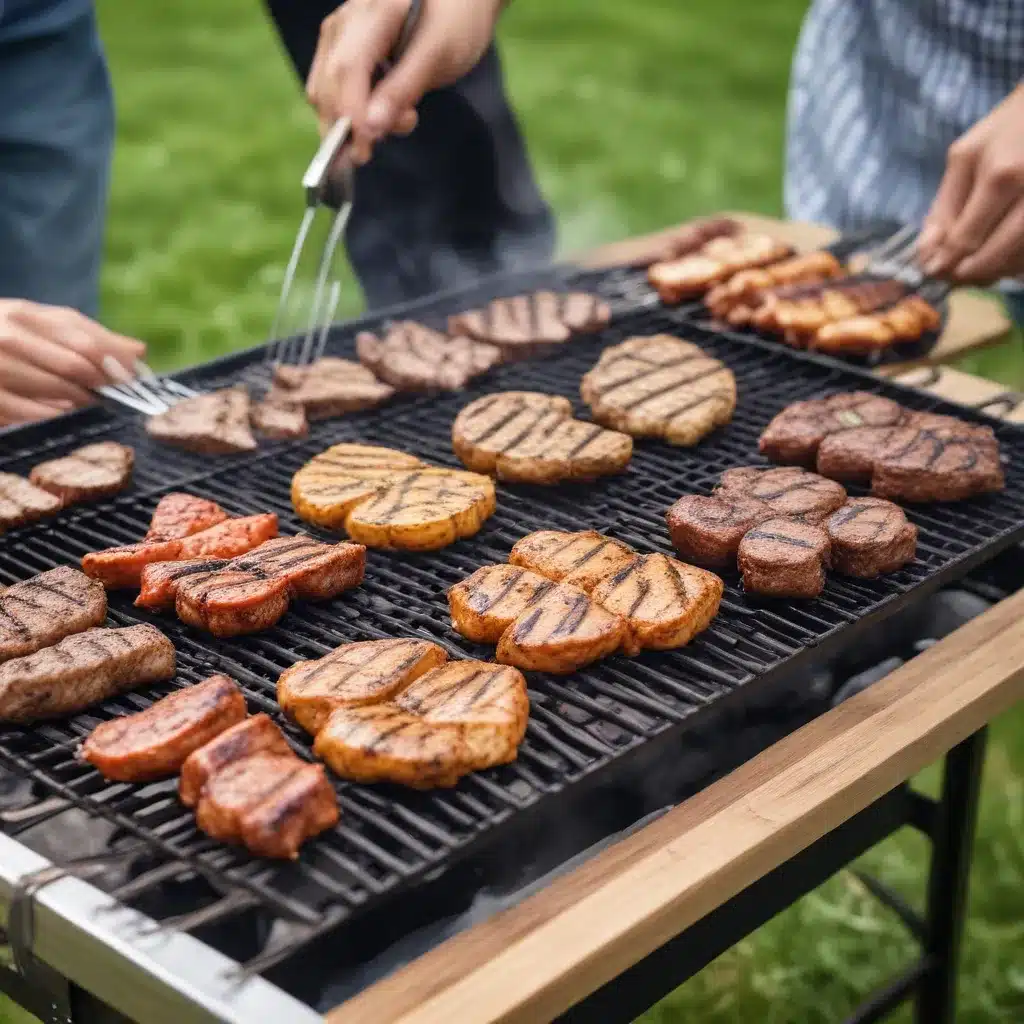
x,y
908,320
745,289
583,559
485,604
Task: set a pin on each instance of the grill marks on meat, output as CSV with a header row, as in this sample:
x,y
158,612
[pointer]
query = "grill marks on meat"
x,y
91,472
485,604
870,537
787,491
707,530
784,558
662,387
279,419
81,670
22,502
213,424
177,516
154,744
46,608
411,357
529,437
583,559
329,387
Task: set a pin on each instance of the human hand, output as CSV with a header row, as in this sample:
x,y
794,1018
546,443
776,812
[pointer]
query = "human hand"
x,y
974,232
358,37
51,358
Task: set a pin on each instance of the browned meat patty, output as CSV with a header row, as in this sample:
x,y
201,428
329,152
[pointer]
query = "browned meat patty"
x,y
411,357
485,604
279,419
707,530
94,471
212,424
46,608
177,516
22,502
788,491
155,743
784,558
850,455
583,559
81,670
329,387
870,537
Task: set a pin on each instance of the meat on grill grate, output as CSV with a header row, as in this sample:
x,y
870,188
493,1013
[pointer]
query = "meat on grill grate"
x,y
869,537
485,604
94,471
279,419
789,492
329,387
583,559
907,320
707,530
212,424
22,502
784,558
180,515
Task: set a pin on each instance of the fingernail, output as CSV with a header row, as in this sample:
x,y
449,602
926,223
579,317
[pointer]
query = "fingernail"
x,y
114,370
379,115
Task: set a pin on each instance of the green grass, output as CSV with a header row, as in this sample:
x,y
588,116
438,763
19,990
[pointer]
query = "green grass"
x,y
637,115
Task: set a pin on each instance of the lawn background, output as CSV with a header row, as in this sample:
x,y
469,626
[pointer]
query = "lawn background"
x,y
637,114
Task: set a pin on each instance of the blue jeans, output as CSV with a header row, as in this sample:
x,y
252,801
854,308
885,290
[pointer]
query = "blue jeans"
x,y
56,138
1015,306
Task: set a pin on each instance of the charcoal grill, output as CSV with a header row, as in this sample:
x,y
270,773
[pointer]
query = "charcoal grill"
x,y
606,724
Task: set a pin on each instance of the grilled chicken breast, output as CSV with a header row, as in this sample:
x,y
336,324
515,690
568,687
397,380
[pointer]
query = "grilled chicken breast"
x,y
907,320
707,529
94,471
485,604
352,675
279,419
46,608
155,743
784,558
213,424
660,387
528,437
177,516
329,387
583,559
81,670
22,502
869,537
747,288
788,491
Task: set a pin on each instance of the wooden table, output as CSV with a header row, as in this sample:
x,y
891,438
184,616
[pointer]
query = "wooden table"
x,y
534,962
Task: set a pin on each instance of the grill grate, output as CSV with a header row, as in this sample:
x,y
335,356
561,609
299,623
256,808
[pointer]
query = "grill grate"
x,y
580,727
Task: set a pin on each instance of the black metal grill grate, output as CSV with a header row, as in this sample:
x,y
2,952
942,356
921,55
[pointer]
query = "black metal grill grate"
x,y
580,727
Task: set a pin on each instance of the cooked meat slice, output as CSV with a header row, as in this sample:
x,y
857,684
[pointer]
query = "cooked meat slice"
x,y
332,483
81,670
870,537
255,735
22,502
908,320
180,515
528,437
158,585
748,287
46,608
795,434
423,510
230,538
314,571
94,471
155,743
686,239
708,529
583,313
279,418
788,491
412,357
583,559
563,631
212,424
849,455
784,558
351,675
227,603
329,387
660,387
665,603
122,566
485,604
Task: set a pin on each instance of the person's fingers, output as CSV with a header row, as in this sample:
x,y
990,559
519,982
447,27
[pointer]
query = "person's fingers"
x,y
401,89
1001,255
406,123
18,409
961,164
22,374
329,29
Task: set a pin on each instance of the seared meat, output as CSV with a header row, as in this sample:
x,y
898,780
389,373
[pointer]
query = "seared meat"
x,y
660,387
784,558
212,424
279,418
485,604
528,437
158,585
745,290
850,455
22,502
412,357
788,491
908,320
870,537
155,743
81,670
95,471
707,530
46,608
582,559
329,387
688,238
180,515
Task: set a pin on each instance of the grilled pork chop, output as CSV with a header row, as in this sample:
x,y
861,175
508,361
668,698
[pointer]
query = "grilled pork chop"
x,y
660,387
529,437
212,424
46,608
485,604
81,670
707,530
869,537
94,471
459,718
351,675
583,559
22,502
411,357
177,516
329,387
279,419
784,558
788,491
155,743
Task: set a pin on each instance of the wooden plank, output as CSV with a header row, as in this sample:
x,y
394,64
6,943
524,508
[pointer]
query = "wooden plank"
x,y
946,382
532,962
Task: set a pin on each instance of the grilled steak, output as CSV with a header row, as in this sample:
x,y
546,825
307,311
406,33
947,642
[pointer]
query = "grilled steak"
x,y
459,718
870,537
707,530
46,608
95,471
746,289
850,455
158,584
908,320
787,491
411,357
784,558
81,670
528,437
279,419
485,604
213,424
351,675
329,387
22,502
660,387
155,743
582,559
177,516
